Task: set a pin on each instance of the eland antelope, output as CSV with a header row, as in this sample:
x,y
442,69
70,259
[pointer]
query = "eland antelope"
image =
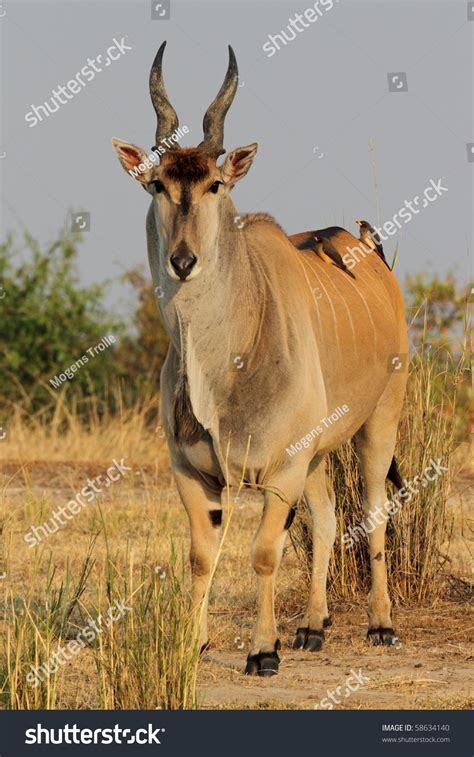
x,y
309,340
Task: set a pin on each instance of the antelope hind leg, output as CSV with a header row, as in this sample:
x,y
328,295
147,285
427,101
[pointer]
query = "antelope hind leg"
x,y
319,495
375,446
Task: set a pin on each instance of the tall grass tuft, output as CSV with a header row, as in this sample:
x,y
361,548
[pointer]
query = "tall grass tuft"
x,y
146,655
149,658
36,626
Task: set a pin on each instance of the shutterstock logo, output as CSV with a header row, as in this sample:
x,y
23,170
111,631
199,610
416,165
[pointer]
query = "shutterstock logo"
x,y
73,734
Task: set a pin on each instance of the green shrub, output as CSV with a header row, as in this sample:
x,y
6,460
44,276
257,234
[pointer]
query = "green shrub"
x,y
48,321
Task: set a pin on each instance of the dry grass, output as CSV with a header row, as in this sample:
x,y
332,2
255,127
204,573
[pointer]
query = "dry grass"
x,y
129,545
147,659
118,550
86,432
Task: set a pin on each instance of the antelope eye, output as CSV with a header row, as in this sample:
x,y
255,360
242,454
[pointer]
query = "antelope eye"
x,y
214,188
158,186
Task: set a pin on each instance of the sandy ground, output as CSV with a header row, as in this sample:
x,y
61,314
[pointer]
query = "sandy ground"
x,y
430,667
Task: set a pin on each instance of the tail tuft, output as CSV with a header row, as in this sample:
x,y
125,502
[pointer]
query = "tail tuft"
x,y
393,474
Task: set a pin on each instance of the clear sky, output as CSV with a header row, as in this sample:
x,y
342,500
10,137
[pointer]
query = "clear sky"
x,y
314,106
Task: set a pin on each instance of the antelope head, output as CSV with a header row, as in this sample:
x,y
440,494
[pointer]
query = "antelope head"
x,y
190,191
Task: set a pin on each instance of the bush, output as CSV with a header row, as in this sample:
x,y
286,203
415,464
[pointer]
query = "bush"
x,y
47,322
436,310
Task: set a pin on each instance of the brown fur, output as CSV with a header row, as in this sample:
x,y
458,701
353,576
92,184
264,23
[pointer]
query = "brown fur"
x,y
187,429
187,165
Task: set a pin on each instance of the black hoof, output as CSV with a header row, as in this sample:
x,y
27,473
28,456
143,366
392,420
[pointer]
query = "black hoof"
x,y
309,639
264,664
381,636
205,647
327,622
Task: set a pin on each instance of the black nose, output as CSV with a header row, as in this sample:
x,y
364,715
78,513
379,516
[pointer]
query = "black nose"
x,y
183,264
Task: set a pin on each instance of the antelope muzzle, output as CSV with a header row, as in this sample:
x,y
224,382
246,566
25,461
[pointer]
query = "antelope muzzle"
x,y
183,261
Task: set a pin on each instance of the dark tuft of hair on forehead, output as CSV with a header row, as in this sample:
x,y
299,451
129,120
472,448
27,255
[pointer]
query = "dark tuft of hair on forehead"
x,y
189,164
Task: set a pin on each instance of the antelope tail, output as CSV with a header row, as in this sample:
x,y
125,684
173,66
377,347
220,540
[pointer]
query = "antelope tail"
x,y
393,474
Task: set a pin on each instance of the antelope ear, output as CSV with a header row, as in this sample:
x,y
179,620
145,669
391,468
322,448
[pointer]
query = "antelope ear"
x,y
134,160
237,163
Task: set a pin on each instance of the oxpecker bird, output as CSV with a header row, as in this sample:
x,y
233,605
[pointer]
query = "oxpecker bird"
x,y
370,237
326,251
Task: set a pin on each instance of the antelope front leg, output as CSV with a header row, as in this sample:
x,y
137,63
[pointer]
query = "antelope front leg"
x,y
267,549
204,509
